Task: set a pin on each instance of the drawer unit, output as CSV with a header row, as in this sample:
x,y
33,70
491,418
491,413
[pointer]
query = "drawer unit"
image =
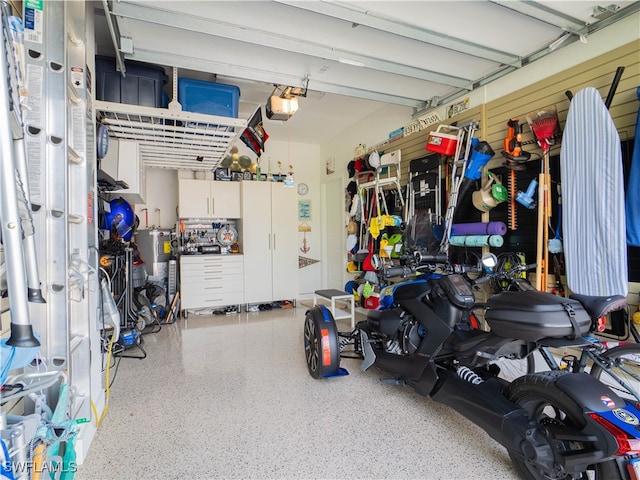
x,y
211,281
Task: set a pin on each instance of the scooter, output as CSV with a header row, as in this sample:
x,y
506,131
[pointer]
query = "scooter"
x,y
554,425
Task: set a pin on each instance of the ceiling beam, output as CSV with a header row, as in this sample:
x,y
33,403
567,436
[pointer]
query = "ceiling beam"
x,y
278,41
204,65
545,14
371,20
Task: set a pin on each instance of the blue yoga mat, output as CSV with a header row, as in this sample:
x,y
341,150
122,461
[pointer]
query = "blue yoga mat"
x,y
633,189
594,232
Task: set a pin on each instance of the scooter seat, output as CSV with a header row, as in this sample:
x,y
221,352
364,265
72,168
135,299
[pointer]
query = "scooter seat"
x,y
600,306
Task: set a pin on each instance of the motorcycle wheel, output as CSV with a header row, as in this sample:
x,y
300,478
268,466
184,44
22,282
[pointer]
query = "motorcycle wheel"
x,y
538,394
321,345
624,361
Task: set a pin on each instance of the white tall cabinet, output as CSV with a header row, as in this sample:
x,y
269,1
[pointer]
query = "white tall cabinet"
x,y
269,241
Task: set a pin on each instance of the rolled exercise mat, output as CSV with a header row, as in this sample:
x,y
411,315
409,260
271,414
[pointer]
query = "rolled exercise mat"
x,y
476,240
480,228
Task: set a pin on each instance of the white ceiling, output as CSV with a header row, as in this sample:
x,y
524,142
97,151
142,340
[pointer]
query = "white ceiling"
x,y
410,53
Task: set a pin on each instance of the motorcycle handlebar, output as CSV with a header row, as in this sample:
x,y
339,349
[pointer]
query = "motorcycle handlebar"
x,y
518,269
510,274
431,258
397,271
481,280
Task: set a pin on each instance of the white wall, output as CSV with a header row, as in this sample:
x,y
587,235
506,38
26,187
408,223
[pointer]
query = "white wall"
x,y
341,150
161,198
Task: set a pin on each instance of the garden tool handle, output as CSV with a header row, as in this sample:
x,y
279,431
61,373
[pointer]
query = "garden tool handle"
x,y
614,87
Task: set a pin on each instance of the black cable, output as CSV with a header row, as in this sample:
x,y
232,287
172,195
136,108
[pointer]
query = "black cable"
x,y
116,362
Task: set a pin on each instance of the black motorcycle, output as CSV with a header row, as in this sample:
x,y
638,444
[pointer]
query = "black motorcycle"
x,y
554,425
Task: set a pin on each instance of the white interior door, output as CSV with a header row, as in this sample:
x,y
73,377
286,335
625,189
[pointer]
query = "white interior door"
x,y
335,233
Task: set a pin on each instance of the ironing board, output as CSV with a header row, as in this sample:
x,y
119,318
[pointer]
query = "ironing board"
x,y
594,238
633,189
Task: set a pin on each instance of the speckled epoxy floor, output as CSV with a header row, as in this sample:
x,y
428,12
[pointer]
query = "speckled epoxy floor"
x,y
230,397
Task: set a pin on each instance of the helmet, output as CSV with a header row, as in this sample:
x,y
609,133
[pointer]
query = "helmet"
x,y
120,221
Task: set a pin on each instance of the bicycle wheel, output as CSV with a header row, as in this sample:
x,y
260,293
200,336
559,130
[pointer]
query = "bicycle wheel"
x,y
622,372
510,369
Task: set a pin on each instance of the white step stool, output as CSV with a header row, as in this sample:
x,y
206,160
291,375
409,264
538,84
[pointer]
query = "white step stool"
x,y
333,295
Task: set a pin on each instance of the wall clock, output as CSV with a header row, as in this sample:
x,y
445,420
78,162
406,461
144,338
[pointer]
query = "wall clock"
x,y
303,189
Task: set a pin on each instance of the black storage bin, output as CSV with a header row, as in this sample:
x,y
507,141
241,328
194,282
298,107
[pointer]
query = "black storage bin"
x,y
532,315
142,84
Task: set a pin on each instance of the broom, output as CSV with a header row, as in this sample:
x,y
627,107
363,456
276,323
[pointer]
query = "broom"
x,y
543,124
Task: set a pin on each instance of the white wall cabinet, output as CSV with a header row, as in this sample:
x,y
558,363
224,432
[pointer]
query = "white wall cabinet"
x,y
123,163
208,199
269,241
211,281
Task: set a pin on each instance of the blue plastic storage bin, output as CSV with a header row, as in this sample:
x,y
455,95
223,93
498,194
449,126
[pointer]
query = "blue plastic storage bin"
x,y
208,97
142,84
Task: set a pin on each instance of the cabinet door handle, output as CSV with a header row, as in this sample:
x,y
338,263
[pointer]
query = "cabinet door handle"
x,y
274,241
207,200
213,206
269,237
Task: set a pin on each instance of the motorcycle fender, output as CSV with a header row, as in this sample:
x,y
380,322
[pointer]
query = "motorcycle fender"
x,y
594,396
589,393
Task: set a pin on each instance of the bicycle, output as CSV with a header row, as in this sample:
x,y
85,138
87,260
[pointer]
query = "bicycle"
x,y
618,367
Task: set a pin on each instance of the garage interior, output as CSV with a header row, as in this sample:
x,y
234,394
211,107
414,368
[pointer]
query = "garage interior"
x,y
130,196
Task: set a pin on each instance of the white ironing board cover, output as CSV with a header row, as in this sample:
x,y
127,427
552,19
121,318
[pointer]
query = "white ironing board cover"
x,y
594,232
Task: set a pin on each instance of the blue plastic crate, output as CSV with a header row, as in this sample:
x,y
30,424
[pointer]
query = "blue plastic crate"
x,y
208,97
